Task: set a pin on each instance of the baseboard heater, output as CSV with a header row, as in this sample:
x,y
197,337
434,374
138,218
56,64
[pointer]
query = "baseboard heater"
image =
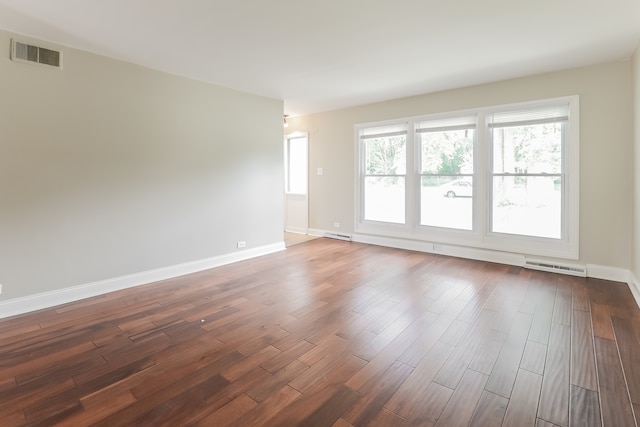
x,y
571,269
345,237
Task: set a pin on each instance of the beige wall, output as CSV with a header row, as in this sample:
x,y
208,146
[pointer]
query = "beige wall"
x,y
635,264
606,149
108,169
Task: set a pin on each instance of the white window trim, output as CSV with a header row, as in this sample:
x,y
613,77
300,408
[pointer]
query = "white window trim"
x,y
370,226
435,230
480,236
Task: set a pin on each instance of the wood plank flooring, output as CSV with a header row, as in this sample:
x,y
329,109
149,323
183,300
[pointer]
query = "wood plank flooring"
x,y
332,333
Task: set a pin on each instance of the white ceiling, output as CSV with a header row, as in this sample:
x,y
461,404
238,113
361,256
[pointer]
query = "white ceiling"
x,y
326,54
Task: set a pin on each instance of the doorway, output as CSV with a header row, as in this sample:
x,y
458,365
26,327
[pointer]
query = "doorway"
x,y
296,209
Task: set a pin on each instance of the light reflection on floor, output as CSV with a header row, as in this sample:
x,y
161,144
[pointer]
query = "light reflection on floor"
x,y
291,239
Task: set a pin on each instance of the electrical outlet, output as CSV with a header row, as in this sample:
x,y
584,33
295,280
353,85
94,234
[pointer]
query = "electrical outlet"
x,y
0,288
336,225
437,248
242,244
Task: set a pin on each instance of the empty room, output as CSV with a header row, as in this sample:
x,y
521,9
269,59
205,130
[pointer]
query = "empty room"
x,y
331,213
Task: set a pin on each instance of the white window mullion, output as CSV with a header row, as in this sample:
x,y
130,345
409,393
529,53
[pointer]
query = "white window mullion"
x,y
480,168
410,200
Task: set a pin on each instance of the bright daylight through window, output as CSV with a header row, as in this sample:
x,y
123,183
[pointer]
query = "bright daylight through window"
x,y
528,171
502,177
385,154
446,165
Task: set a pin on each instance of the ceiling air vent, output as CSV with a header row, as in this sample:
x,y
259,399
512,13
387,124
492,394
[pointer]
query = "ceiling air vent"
x,y
26,52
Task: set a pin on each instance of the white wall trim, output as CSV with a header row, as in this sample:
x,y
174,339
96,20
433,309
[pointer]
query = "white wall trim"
x,y
608,273
614,274
297,230
315,232
442,249
40,301
43,300
634,285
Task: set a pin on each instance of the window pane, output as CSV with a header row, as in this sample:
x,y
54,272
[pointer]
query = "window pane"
x,y
530,206
528,149
447,152
297,165
384,199
386,155
447,202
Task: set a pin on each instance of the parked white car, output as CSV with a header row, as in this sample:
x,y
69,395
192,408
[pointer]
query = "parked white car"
x,y
458,188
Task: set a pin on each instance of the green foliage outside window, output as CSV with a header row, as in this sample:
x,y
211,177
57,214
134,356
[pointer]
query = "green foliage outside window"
x,y
386,156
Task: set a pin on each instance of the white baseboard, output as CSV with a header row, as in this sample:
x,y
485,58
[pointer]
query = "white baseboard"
x,y
608,273
297,230
315,232
442,249
614,274
634,285
30,303
40,301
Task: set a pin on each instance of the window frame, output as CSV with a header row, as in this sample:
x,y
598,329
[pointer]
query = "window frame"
x,y
568,245
375,226
481,235
461,122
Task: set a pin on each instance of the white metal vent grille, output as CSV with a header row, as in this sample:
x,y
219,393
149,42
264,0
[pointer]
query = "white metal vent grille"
x,y
574,270
26,52
346,237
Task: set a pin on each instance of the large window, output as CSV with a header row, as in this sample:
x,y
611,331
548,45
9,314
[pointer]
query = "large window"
x,y
446,172
385,166
503,178
528,172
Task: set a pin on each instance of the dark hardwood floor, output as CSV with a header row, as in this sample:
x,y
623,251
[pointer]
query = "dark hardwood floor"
x,y
332,333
